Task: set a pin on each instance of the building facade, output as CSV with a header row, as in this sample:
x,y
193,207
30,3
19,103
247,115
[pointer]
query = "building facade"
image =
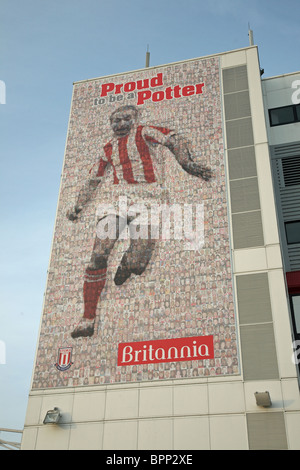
x,y
187,335
282,109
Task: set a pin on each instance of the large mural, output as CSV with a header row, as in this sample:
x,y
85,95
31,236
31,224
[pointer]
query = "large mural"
x,y
140,282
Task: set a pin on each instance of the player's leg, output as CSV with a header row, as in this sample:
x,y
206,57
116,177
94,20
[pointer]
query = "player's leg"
x,y
135,259
95,279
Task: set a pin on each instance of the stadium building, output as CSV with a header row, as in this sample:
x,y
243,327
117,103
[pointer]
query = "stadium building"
x,y
171,315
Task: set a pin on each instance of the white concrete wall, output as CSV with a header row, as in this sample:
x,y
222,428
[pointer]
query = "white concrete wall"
x,y
206,414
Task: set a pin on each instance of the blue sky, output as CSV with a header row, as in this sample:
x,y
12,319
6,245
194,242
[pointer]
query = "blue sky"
x,y
45,47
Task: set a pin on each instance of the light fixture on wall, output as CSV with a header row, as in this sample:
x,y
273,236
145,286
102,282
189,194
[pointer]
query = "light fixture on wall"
x,y
263,399
52,416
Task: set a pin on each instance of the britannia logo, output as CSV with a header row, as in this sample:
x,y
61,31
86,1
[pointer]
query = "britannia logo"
x,y
64,359
166,350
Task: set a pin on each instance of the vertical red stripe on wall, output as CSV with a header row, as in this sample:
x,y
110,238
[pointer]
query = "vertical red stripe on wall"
x,y
101,167
145,156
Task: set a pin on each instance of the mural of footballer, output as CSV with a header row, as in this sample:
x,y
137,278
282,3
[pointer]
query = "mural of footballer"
x,y
129,155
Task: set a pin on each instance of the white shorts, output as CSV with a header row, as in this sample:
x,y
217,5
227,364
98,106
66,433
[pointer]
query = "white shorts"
x,y
133,202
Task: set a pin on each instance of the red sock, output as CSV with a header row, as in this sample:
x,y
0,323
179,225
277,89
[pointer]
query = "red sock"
x,y
93,285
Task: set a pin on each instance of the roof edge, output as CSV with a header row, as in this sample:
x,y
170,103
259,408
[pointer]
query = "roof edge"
x,y
164,65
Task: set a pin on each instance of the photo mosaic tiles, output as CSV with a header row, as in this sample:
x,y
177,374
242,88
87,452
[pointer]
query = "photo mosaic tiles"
x,y
152,137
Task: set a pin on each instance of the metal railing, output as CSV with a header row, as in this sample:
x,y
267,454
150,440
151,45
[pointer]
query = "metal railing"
x,y
8,444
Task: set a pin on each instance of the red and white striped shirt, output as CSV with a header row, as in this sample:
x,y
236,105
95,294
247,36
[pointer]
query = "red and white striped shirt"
x,y
130,156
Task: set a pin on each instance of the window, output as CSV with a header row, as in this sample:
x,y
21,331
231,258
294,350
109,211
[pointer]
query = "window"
x,y
284,115
293,284
292,230
295,311
295,301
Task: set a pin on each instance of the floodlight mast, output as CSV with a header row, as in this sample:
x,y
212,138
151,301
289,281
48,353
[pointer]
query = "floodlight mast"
x,y
250,34
147,57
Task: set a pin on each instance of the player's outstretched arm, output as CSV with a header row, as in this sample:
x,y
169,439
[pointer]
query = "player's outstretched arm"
x,y
180,149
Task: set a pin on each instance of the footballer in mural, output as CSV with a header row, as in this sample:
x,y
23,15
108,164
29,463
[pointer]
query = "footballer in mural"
x,y
129,156
140,282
